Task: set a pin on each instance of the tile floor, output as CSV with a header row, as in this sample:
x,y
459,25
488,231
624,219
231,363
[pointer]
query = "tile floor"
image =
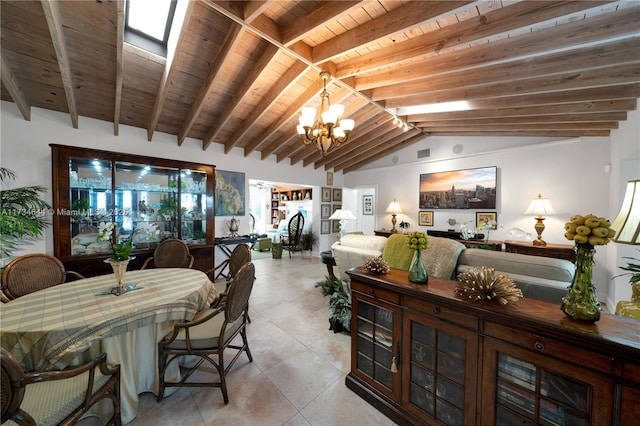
x,y
299,366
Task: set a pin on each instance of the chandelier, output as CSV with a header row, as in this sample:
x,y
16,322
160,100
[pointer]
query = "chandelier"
x,y
328,131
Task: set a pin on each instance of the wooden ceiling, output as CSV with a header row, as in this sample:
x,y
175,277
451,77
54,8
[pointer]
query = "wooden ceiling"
x,y
238,72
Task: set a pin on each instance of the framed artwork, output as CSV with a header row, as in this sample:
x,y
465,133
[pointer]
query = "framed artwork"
x,y
367,204
425,218
336,226
459,189
483,218
337,194
325,211
326,195
325,226
335,207
330,178
229,193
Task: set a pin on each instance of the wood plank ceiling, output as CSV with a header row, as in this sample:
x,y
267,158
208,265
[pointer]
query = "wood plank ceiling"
x,y
238,72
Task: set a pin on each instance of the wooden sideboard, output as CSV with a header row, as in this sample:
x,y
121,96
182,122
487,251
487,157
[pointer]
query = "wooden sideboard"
x,y
422,356
559,251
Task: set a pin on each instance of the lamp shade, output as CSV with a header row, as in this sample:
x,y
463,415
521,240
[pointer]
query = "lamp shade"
x,y
342,214
394,208
627,222
539,206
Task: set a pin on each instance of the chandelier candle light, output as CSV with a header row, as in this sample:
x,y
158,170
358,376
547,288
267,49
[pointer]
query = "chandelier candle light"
x,y
329,130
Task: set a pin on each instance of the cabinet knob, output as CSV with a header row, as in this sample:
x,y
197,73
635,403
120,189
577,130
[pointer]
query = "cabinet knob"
x,y
436,310
539,346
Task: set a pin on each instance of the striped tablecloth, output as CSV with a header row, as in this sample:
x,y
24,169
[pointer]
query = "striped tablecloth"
x,y
49,328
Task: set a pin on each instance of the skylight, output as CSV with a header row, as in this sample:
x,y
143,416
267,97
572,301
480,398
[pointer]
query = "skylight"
x,y
148,24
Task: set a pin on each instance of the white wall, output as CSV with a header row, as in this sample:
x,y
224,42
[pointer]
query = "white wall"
x,y
24,148
572,174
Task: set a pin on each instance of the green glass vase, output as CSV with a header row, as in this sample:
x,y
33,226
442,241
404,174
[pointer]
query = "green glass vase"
x,y
417,271
581,302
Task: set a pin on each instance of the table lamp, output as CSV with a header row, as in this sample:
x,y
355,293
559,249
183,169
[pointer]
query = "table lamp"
x,y
627,222
342,215
539,206
394,209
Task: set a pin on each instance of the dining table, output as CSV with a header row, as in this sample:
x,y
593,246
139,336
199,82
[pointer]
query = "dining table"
x,y
69,323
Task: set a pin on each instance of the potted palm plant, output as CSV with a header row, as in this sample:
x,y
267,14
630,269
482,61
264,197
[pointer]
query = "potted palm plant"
x,y
22,214
307,240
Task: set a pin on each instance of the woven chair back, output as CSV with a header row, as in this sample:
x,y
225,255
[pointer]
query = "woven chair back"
x,y
172,253
31,272
239,292
240,255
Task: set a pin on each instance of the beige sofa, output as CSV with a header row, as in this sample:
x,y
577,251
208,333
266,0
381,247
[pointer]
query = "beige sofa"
x,y
538,277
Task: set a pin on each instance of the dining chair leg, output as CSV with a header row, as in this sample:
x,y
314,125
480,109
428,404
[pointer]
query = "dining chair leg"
x,y
223,380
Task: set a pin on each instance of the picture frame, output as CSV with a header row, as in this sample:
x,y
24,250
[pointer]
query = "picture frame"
x,y
464,189
425,218
337,194
367,205
229,186
335,228
326,195
325,211
330,178
325,226
482,218
335,207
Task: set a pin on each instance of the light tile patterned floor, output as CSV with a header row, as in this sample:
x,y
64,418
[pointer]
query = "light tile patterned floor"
x,y
299,368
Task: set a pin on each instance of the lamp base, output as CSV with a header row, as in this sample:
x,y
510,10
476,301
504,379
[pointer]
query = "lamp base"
x,y
539,226
393,224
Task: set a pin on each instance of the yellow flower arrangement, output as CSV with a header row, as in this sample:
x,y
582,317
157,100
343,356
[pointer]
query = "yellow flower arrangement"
x,y
417,240
589,229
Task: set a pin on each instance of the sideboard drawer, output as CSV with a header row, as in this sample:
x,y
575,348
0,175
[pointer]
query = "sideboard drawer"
x,y
551,347
444,313
375,292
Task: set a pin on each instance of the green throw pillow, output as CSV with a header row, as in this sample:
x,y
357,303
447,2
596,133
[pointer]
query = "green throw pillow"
x,y
396,253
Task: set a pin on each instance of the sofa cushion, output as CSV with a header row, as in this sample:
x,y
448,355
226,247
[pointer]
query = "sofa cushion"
x,y
547,268
366,242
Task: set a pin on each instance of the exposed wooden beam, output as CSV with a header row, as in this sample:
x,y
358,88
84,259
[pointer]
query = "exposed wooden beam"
x,y
267,58
163,89
120,15
230,42
268,99
490,24
15,89
402,18
381,148
316,18
54,22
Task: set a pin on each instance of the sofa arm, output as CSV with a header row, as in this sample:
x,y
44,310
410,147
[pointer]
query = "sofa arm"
x,y
350,257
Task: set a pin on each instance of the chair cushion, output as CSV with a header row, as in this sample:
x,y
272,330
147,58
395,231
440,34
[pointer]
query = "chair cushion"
x,y
206,335
49,403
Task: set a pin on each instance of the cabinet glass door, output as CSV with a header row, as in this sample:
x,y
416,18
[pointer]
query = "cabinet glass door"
x,y
90,198
530,388
440,370
193,199
375,349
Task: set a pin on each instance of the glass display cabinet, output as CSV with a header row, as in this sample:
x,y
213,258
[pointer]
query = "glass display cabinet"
x,y
149,200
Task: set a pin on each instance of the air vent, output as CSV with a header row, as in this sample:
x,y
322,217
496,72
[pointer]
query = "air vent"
x,y
424,153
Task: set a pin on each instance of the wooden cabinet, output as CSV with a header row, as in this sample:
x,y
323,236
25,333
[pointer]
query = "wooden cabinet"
x,y
149,199
559,251
465,363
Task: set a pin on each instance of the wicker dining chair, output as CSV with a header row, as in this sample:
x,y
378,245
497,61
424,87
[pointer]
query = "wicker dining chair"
x,y
240,255
171,253
33,272
57,397
208,336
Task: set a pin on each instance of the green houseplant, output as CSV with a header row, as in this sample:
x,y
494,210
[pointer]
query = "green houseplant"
x,y
22,214
307,240
339,303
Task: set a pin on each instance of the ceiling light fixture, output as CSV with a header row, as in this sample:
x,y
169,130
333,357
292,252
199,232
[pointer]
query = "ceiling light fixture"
x,y
328,131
